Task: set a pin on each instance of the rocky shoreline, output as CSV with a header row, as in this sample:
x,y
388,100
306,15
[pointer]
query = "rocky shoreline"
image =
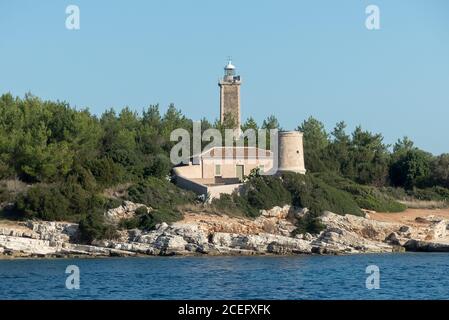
x,y
202,234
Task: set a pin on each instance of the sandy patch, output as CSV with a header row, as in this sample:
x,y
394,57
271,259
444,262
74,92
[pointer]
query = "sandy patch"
x,y
408,216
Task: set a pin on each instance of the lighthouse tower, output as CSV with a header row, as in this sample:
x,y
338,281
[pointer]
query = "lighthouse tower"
x,y
230,95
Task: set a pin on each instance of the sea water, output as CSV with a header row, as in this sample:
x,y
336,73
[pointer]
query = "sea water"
x,y
400,276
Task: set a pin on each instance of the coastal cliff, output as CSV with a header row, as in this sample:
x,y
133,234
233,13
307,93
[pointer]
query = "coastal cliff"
x,y
206,234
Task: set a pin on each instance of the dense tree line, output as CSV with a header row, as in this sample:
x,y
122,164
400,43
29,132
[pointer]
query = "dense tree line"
x,y
68,157
50,142
363,157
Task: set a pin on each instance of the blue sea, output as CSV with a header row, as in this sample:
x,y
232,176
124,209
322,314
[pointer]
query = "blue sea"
x,y
400,276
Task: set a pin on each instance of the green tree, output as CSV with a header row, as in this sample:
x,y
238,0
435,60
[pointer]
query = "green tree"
x,y
440,170
369,158
403,145
268,124
338,150
250,123
316,141
412,169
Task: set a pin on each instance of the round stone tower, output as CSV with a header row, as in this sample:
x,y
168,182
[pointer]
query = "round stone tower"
x,y
291,152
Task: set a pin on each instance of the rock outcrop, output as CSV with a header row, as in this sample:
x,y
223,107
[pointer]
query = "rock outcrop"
x,y
270,233
125,211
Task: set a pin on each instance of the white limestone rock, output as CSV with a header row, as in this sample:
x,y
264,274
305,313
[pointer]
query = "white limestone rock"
x,y
171,244
277,212
125,211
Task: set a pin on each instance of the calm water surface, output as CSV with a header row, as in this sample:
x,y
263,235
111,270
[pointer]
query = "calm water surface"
x,y
402,276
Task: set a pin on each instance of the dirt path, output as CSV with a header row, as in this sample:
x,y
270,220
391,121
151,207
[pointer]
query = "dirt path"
x,y
408,216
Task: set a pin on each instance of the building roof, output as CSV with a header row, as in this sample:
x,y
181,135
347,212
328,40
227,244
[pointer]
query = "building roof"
x,y
236,153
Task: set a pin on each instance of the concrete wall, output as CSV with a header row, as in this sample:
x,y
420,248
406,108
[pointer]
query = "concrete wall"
x,y
228,167
216,191
199,188
190,171
188,184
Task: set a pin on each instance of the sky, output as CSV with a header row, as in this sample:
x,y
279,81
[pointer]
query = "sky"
x,y
296,59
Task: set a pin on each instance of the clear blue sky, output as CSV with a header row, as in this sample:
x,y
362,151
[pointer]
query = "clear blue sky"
x,y
296,58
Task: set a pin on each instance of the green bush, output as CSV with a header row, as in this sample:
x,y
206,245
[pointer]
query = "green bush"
x,y
372,199
43,202
311,192
430,194
159,193
234,204
141,211
443,193
266,192
259,192
395,192
67,201
159,167
92,227
163,215
5,195
111,203
148,220
309,223
106,171
366,197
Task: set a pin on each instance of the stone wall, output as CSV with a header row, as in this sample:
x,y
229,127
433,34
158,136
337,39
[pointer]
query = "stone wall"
x,y
291,152
230,101
191,185
216,191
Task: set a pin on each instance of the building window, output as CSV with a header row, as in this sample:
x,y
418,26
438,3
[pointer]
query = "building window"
x,y
218,170
261,169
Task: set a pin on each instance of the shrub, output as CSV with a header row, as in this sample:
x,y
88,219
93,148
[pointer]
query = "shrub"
x,y
430,194
5,195
163,196
311,192
111,203
106,171
163,215
148,220
395,192
160,167
366,197
442,192
10,189
68,201
141,211
79,200
159,193
234,204
372,199
92,227
266,192
309,223
43,202
258,192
